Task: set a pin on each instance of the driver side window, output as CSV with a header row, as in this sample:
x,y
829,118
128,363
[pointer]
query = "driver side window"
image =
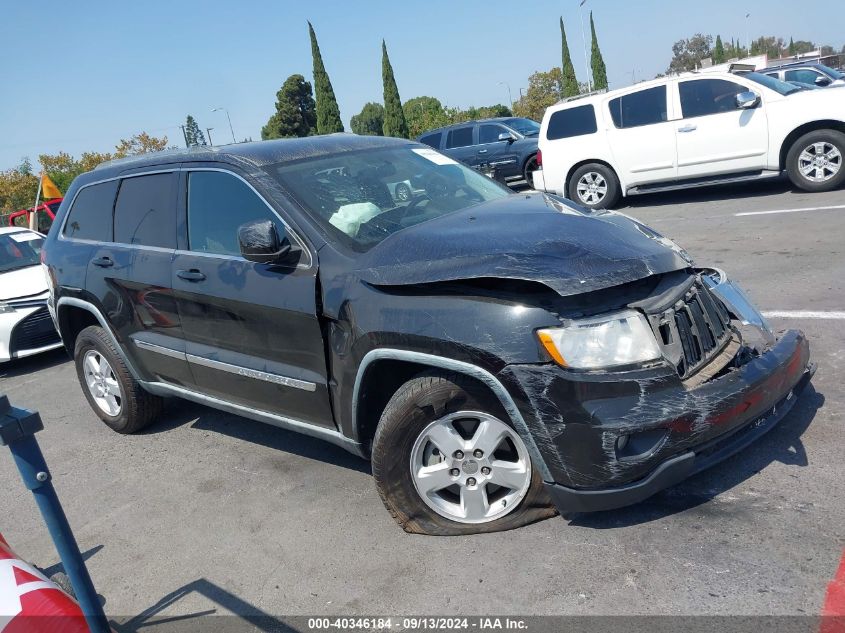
x,y
702,97
219,203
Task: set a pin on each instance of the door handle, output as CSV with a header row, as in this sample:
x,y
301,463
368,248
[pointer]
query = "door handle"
x,y
688,128
482,151
190,275
102,262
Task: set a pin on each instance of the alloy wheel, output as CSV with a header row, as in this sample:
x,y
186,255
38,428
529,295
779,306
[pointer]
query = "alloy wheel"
x,y
591,188
470,467
102,383
820,161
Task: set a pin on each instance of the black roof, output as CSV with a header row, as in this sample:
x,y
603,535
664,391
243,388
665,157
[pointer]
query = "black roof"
x,y
255,154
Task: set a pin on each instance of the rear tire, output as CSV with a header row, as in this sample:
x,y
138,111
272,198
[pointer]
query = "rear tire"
x,y
418,409
114,395
594,186
815,161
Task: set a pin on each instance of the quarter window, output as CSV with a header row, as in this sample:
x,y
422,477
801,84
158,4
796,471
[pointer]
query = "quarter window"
x,y
708,96
459,137
90,216
432,140
490,133
145,211
218,204
572,122
644,107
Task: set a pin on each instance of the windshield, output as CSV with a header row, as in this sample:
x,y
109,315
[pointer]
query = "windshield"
x,y
830,71
771,83
363,197
526,127
19,250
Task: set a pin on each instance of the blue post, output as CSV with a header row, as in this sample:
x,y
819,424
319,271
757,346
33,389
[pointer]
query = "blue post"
x,y
17,431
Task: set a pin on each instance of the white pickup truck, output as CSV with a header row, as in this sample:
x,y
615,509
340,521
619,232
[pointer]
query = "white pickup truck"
x,y
691,130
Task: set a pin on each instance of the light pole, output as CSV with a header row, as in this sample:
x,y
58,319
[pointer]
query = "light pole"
x,y
747,39
231,129
508,86
208,131
584,43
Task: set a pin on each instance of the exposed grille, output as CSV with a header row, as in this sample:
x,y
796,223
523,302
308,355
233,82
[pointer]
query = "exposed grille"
x,y
693,330
36,330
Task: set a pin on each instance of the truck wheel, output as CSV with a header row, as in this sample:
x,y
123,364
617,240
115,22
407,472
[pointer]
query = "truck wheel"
x,y
594,186
446,462
814,162
112,392
530,166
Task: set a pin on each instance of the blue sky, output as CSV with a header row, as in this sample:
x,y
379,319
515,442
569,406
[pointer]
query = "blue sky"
x,y
80,76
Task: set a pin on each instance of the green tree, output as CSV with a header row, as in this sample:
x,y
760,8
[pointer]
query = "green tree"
x,y
688,53
141,143
296,113
803,46
719,51
328,113
423,114
570,81
370,121
193,133
791,47
394,116
596,60
544,89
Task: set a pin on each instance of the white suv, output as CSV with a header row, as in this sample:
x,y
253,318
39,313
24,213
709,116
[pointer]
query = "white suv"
x,y
691,130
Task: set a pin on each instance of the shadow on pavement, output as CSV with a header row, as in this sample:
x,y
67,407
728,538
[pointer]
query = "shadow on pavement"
x,y
759,190
247,617
180,412
781,444
32,364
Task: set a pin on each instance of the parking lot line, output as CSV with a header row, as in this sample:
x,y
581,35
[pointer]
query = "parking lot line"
x,y
803,314
835,206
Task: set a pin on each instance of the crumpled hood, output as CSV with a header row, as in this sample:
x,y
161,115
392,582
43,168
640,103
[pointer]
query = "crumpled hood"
x,y
533,237
23,282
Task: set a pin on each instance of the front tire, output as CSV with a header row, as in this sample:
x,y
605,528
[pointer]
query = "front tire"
x,y
529,167
814,162
446,462
114,395
594,186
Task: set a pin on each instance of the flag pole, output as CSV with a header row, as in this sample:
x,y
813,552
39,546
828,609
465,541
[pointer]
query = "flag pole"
x,y
33,219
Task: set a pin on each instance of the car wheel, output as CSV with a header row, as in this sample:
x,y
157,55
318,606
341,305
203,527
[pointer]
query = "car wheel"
x,y
595,186
814,162
446,462
403,192
530,166
110,389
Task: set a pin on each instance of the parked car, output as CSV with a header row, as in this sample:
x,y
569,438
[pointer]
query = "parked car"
x,y
507,145
25,324
807,73
691,130
45,214
496,355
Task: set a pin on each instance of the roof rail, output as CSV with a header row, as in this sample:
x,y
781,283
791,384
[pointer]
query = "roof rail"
x,y
583,95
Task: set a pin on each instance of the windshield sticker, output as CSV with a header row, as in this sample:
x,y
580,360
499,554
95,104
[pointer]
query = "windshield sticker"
x,y
25,237
435,157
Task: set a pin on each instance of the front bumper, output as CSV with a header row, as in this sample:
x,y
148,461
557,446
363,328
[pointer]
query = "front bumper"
x,y
577,420
27,330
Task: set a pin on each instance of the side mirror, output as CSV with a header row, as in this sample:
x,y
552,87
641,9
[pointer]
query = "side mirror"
x,y
506,136
747,100
822,81
259,242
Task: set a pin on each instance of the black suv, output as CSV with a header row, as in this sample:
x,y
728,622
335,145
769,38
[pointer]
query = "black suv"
x,y
505,145
496,355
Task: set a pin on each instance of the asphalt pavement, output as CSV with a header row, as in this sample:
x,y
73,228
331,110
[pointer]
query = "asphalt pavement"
x,y
207,512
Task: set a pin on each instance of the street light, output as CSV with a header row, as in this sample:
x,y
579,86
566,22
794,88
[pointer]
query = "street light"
x,y
584,44
231,129
208,132
507,85
747,39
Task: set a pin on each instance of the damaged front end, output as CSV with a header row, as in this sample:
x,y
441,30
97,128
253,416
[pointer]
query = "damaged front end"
x,y
716,380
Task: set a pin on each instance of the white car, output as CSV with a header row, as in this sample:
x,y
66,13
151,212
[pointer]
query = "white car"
x,y
691,130
25,324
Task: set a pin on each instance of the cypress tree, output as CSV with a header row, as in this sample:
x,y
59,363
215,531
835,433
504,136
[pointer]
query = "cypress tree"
x,y
597,62
570,82
719,51
394,116
328,114
791,47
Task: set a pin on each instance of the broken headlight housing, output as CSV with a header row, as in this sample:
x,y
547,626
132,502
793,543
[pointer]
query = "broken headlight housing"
x,y
611,340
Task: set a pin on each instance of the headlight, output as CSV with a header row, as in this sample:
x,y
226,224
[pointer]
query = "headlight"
x,y
5,308
607,341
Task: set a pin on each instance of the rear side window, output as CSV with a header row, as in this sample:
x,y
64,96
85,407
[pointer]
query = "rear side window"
x,y
701,97
644,107
432,140
459,137
145,211
572,122
90,216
